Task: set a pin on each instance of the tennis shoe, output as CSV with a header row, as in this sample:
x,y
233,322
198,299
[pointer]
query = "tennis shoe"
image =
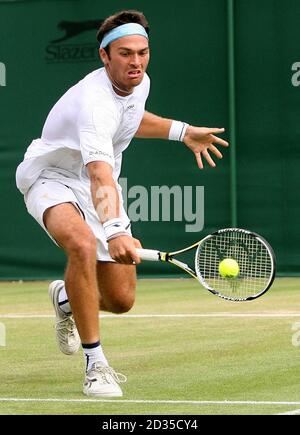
x,y
103,381
67,336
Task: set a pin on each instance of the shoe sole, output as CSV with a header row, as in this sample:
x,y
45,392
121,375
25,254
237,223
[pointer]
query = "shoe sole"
x,y
52,291
103,394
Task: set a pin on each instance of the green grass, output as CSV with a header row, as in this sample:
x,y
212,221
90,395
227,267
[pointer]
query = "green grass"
x,y
214,358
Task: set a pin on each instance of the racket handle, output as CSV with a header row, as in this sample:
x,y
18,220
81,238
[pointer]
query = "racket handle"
x,y
148,254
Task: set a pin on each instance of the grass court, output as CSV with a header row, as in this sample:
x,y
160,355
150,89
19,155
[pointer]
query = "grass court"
x,y
183,350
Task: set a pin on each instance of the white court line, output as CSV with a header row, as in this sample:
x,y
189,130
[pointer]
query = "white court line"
x,y
167,402
296,412
145,316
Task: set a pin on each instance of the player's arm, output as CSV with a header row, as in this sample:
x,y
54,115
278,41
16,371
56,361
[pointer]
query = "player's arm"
x,y
154,127
200,140
105,196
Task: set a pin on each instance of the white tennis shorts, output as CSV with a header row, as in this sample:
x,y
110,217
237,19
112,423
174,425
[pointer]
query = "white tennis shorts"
x,y
46,193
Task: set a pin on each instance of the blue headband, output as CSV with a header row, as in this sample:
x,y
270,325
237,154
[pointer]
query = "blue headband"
x,y
121,31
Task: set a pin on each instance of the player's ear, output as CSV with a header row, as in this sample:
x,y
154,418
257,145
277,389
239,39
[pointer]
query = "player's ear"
x,y
103,56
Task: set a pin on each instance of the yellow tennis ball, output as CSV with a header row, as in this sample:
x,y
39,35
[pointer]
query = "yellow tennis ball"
x,y
229,268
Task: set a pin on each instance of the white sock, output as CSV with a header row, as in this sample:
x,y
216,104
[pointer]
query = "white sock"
x,y
63,301
93,353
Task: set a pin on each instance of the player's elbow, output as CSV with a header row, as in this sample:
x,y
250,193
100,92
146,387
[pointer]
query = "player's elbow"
x,y
99,171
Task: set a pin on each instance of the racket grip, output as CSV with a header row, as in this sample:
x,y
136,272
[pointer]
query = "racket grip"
x,y
148,254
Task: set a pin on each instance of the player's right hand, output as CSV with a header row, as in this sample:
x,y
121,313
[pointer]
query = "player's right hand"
x,y
122,249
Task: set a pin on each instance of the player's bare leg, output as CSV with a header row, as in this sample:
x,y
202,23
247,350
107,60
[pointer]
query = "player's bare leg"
x,y
71,232
116,284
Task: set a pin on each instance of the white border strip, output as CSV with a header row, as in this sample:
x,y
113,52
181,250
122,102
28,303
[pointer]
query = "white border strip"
x,y
296,412
145,316
167,402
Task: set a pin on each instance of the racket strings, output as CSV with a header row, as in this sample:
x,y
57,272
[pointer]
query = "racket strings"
x,y
251,255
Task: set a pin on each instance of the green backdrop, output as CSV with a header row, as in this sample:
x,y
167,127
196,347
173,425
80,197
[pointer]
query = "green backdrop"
x,y
214,63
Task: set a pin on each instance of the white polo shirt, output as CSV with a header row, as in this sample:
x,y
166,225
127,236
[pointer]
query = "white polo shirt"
x,y
89,123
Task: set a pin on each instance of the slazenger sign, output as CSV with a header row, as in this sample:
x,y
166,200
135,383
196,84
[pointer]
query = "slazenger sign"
x,y
58,51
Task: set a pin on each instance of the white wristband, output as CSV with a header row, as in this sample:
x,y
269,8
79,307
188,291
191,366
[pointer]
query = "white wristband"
x,y
178,130
113,227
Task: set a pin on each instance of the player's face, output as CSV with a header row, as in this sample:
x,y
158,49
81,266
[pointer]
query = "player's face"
x,y
128,61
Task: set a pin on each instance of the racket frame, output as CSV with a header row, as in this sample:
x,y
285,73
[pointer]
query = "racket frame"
x,y
261,240
153,255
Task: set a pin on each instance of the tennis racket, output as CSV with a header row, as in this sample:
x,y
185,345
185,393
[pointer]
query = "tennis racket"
x,y
254,255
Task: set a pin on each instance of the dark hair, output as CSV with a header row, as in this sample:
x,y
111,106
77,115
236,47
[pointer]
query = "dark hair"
x,y
119,18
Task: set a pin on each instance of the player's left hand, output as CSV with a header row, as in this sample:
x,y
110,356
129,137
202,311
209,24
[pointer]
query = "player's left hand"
x,y
201,141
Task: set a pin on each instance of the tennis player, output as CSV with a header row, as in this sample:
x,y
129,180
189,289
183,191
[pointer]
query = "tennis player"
x,y
69,179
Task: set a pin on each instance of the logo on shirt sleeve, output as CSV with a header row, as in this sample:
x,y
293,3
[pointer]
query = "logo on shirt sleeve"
x,y
100,153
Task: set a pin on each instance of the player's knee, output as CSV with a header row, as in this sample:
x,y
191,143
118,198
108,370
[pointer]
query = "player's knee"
x,y
123,304
83,248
